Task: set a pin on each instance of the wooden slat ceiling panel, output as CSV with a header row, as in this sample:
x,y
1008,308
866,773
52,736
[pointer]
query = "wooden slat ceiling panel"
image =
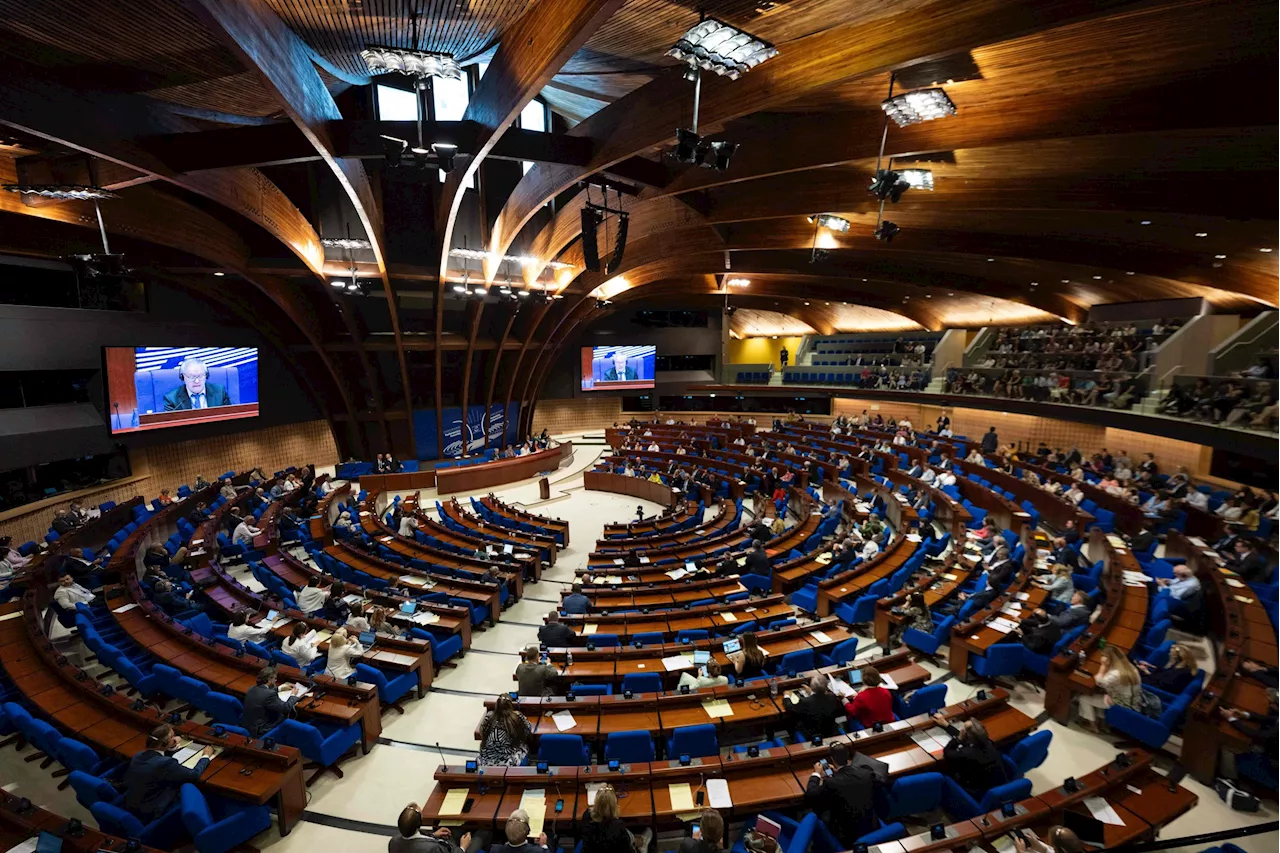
x,y
755,322
338,30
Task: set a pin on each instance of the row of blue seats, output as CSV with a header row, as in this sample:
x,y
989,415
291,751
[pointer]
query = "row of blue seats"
x,y
754,376
512,524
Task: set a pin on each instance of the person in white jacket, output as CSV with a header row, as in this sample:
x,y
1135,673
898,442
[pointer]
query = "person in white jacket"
x,y
298,646
342,655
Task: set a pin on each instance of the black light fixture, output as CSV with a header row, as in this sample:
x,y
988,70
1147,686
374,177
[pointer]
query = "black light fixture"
x,y
888,185
592,216
886,231
440,154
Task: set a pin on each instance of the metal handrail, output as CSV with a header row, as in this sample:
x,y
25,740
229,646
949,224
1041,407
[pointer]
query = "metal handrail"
x,y
1267,331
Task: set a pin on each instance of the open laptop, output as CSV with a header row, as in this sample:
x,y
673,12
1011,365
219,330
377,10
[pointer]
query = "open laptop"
x,y
408,607
368,638
1087,828
731,646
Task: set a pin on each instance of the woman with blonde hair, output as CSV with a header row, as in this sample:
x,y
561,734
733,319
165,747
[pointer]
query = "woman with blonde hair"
x,y
1120,683
1177,672
342,655
602,830
1061,586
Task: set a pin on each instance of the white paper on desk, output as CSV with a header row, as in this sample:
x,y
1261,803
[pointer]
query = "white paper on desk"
x,y
352,598
718,794
940,735
677,662
1232,582
1137,576
183,754
925,742
948,576
564,720
840,687
821,637
1000,625
384,539
14,615
192,760
311,636
507,549
592,788
1117,543
617,561
1101,810
676,574
125,609
729,617
590,628
286,692
28,846
426,617
749,609
412,580
534,802
1023,596
644,561
887,680
914,537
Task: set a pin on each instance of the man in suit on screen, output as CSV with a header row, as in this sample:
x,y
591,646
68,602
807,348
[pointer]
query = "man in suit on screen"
x,y
620,371
195,392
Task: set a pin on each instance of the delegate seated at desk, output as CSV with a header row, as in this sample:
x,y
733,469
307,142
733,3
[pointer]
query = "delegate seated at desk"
x,y
152,779
575,603
263,707
555,634
411,841
843,800
196,391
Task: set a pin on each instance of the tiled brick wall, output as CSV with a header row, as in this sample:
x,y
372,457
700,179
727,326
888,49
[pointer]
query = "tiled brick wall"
x,y
171,465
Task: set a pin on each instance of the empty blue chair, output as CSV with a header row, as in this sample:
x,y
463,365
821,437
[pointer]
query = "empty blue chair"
x,y
91,789
163,832
862,611
1030,752
844,651
929,644
914,794
795,837
1150,731
222,825
642,682
961,806
797,661
324,746
757,583
223,708
604,641
391,690
1000,659
648,638
563,750
77,756
691,635
629,747
693,741
926,700
579,689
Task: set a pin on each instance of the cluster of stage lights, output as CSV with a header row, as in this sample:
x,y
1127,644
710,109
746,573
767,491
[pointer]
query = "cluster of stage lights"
x,y
441,154
712,45
890,184
421,64
523,260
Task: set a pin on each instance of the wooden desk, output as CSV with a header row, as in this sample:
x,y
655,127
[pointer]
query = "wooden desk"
x,y
560,528
484,475
974,636
621,484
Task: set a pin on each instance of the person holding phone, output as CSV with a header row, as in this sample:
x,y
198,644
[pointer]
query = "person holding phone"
x,y
816,713
972,759
708,834
843,799
1058,839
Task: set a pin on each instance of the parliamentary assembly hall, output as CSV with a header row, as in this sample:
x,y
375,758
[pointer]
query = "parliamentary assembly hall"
x,y
903,480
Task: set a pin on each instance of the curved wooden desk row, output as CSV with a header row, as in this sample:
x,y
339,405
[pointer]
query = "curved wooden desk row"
x,y
1129,518
116,726
673,594
734,455
936,586
17,824
478,593
127,555
638,487
611,665
525,541
483,475
391,653
91,534
202,547
524,563
729,708
710,617
976,635
773,779
1056,511
511,569
169,642
452,619
1247,633
675,529
509,512
851,584
1119,622
652,528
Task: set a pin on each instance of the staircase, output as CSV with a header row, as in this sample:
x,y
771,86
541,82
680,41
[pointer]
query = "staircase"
x,y
935,385
775,379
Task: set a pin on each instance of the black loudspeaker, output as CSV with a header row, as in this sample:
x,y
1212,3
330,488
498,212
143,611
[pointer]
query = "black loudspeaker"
x,y
619,246
590,252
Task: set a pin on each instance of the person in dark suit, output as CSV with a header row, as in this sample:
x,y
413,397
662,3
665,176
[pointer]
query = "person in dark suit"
x,y
1249,563
152,779
620,371
1142,541
758,560
972,759
172,601
263,707
1037,633
575,602
990,441
196,391
816,713
844,799
1075,615
632,560
555,634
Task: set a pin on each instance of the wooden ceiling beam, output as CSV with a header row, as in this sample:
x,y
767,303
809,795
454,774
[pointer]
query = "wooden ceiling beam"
x,y
530,52
266,45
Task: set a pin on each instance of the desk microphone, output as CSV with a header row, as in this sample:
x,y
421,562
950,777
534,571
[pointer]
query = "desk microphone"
x,y
443,760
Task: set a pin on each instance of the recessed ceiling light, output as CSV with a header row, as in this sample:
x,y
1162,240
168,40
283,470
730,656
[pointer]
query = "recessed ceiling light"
x,y
989,260
1202,233
1066,281
1097,278
928,296
1265,250
1129,272
806,303
1145,222
950,293
219,274
1221,257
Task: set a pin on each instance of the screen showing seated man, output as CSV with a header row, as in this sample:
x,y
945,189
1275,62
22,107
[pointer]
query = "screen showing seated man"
x,y
629,367
156,387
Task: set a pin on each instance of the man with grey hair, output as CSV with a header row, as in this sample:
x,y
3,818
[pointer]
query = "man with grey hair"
x,y
196,391
816,713
518,836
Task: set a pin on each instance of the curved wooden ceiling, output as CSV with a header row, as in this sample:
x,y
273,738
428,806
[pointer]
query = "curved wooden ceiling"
x,y
1094,141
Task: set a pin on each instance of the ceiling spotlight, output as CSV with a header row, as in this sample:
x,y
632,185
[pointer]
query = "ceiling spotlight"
x,y
459,288
830,221
723,152
345,243
479,291
990,260
219,274
886,231
445,152
692,148
917,179
1221,257
337,282
922,105
686,145
713,45
421,157
1202,233
523,260
523,293
1145,222
738,282
66,192
415,63
1130,272
888,185
1265,251
393,149
1097,278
